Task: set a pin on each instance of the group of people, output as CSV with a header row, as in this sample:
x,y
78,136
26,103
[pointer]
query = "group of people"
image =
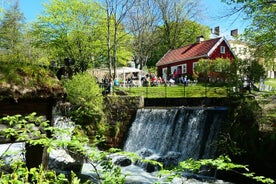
x,y
182,79
152,80
146,80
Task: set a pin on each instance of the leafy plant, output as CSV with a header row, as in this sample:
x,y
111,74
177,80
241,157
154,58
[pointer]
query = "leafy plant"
x,y
32,130
87,101
220,163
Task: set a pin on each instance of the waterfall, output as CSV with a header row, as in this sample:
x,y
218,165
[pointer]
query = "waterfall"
x,y
185,132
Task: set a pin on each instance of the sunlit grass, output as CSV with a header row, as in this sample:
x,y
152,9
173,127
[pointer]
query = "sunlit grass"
x,y
271,82
176,91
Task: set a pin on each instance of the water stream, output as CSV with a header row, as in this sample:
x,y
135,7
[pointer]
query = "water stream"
x,y
187,132
168,135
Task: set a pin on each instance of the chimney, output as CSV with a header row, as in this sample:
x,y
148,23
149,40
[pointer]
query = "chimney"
x,y
217,31
234,32
199,39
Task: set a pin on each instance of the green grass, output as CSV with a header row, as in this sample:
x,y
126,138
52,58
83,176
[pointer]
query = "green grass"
x,y
271,82
176,91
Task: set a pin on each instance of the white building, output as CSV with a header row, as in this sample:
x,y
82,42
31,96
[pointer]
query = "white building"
x,y
242,51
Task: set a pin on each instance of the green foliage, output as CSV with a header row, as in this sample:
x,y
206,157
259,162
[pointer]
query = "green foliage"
x,y
217,69
76,29
84,92
251,68
220,163
181,33
10,28
204,67
87,100
261,33
28,76
21,174
31,129
66,29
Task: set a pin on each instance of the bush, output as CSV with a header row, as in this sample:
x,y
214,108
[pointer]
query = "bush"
x,y
87,101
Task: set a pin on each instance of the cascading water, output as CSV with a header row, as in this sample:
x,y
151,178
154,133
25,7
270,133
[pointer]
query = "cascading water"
x,y
179,132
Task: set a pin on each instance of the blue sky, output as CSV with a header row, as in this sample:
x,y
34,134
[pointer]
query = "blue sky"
x,y
213,9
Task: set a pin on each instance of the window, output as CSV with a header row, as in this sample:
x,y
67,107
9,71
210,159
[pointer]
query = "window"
x,y
222,49
164,73
173,69
180,69
184,68
194,65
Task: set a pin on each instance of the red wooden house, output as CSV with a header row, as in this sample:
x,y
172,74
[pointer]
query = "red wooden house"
x,y
183,60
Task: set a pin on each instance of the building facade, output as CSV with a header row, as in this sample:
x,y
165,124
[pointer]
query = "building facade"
x,y
184,59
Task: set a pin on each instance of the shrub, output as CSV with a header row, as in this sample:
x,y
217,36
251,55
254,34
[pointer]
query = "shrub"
x,y
87,101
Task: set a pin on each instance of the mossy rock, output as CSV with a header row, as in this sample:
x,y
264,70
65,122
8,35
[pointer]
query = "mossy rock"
x,y
18,80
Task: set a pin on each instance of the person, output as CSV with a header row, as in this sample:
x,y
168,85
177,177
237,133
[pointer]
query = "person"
x,y
116,82
246,84
185,81
171,81
174,75
109,88
153,81
159,80
105,80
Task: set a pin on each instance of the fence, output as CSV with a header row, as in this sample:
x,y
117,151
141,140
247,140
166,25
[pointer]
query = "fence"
x,y
177,91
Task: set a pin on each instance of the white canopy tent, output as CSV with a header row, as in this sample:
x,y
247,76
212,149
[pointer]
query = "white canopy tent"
x,y
127,70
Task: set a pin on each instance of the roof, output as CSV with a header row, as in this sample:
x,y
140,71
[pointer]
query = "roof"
x,y
127,70
192,51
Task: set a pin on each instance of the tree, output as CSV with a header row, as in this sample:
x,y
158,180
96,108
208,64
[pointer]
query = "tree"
x,y
262,31
11,26
86,98
172,13
141,23
218,68
251,68
66,30
116,11
184,33
175,26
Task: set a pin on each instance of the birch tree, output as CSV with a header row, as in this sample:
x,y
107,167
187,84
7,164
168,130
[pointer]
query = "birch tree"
x,y
116,11
141,24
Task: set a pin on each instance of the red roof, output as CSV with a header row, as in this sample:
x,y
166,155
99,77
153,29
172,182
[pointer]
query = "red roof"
x,y
193,51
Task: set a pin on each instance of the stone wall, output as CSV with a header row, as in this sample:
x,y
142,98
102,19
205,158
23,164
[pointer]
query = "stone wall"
x,y
120,113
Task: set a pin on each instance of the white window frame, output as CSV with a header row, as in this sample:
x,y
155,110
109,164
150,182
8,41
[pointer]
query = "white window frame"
x,y
183,68
222,49
173,68
165,70
165,73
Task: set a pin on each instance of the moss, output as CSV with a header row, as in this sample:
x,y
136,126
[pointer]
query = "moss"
x,y
20,80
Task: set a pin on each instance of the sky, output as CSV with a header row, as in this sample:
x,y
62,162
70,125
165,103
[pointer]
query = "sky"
x,y
212,10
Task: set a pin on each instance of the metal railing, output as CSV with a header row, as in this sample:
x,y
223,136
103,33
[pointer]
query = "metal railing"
x,y
177,90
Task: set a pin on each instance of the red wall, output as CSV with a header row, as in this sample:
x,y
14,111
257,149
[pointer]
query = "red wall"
x,y
215,54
